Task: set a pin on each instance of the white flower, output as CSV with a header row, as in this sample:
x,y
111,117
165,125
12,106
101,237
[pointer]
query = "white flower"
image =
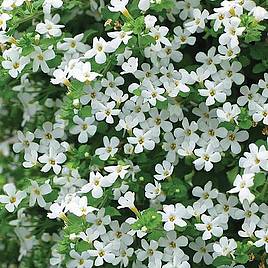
x,y
15,64
144,5
229,112
61,77
4,17
164,171
119,37
99,221
205,195
25,143
52,159
226,206
209,227
152,93
105,111
104,253
242,185
259,13
83,73
116,171
150,21
199,20
118,5
255,159
230,72
179,260
57,211
210,60
228,52
130,66
197,209
124,256
232,32
202,251
183,36
206,158
263,83
127,201
13,197
149,251
81,261
248,229
249,213
232,140
73,45
49,134
40,57
159,34
96,182
213,92
225,247
172,243
171,146
219,18
186,7
152,190
51,3
85,128
249,96
261,113
187,133
109,149
79,206
50,27
11,4
263,241
211,132
100,47
173,215
30,159
142,139
37,192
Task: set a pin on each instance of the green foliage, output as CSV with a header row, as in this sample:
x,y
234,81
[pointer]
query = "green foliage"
x,y
253,30
148,221
222,260
244,119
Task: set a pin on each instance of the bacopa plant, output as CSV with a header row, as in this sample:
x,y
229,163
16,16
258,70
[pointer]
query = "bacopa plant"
x,y
133,133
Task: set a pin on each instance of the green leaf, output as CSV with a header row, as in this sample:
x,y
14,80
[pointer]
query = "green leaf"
x,y
227,125
259,179
156,234
258,68
162,105
149,220
231,174
82,246
88,34
222,260
244,60
54,62
244,119
146,41
85,111
259,51
137,92
27,50
112,211
243,258
163,5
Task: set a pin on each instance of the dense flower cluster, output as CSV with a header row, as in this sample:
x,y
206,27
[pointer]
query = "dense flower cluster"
x,y
133,133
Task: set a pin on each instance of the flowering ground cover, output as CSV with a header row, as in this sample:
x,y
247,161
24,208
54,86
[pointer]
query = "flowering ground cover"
x,y
133,133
